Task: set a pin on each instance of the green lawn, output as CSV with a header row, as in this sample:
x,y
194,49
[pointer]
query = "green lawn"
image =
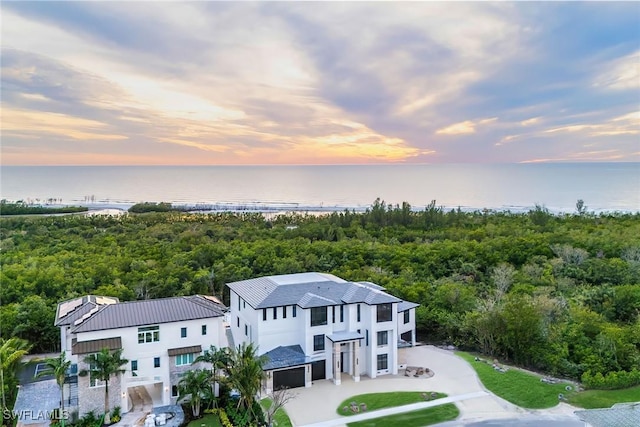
x,y
208,420
518,387
421,417
281,418
384,400
604,398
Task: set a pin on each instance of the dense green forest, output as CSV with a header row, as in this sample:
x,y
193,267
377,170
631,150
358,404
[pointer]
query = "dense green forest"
x,y
20,208
557,293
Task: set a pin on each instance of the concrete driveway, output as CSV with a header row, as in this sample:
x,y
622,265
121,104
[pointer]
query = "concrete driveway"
x,y
453,376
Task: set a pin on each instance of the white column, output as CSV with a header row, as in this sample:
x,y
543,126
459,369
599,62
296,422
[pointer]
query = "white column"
x,y
356,360
307,375
336,364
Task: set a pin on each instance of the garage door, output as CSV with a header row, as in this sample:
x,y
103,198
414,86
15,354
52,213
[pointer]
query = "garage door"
x,y
319,370
289,378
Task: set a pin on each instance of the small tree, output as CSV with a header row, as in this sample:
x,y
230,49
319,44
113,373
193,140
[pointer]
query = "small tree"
x,y
278,399
195,384
58,367
11,352
102,366
246,375
219,360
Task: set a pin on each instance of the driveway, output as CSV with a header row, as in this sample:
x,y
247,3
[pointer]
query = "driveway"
x,y
453,376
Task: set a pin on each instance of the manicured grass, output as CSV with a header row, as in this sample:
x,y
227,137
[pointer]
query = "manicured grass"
x,y
604,398
384,400
209,420
518,387
281,419
421,417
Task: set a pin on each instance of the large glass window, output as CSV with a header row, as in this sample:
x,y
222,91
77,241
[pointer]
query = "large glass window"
x,y
184,359
383,362
318,342
318,316
93,381
148,334
384,312
383,338
406,316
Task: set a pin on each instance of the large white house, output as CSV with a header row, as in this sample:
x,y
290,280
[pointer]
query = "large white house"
x,y
160,338
315,326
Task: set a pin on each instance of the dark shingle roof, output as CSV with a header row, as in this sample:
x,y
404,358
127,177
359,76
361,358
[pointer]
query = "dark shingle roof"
x,y
149,312
308,290
285,357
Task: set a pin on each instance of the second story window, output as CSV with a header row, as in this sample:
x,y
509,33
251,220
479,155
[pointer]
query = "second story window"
x,y
204,329
318,342
293,310
156,362
406,316
184,359
341,313
284,311
384,313
383,338
148,334
358,313
183,332
275,313
333,314
318,316
264,314
134,365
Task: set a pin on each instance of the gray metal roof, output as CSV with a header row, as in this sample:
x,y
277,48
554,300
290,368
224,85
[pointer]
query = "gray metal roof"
x,y
285,357
406,305
150,312
308,290
94,346
185,350
67,312
345,336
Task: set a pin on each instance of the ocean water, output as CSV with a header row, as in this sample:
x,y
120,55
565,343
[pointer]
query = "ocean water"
x,y
515,187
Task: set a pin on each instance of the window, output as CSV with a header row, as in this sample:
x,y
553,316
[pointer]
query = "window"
x,y
318,316
341,313
238,321
183,332
244,304
333,314
406,316
358,313
264,314
204,329
174,391
384,312
294,311
383,362
156,362
246,330
284,311
383,338
367,337
148,334
134,365
275,313
318,342
184,359
239,301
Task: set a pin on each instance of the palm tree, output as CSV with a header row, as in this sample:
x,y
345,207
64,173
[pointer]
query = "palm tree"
x,y
58,367
219,360
102,366
11,353
195,384
246,374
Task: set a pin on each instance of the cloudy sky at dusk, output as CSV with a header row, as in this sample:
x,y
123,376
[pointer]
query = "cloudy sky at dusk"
x,y
319,83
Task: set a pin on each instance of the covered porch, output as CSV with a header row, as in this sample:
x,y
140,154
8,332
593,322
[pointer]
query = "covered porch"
x,y
345,355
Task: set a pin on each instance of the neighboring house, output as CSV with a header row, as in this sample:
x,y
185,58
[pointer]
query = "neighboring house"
x,y
160,338
315,326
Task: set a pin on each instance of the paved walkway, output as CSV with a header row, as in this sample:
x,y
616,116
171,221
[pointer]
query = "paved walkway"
x,y
397,410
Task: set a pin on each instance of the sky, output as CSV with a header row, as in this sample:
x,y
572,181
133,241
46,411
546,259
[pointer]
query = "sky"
x,y
231,83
